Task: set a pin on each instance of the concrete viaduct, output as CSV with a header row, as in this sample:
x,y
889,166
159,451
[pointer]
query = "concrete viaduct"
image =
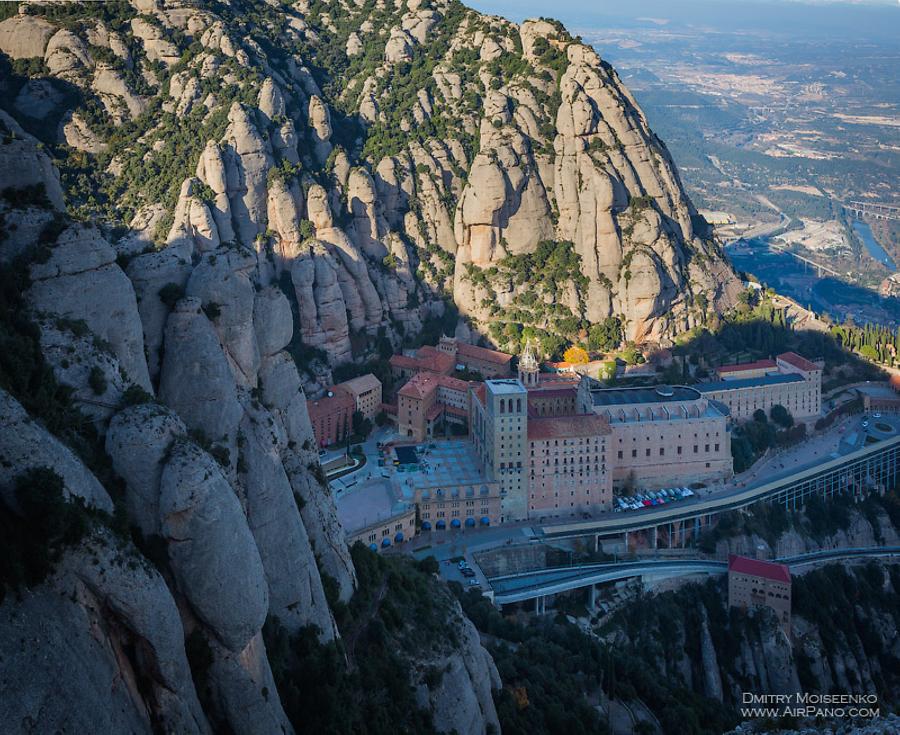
x,y
871,468
537,585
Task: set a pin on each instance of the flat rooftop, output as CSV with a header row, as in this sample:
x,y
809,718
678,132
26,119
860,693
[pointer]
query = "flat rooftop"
x,y
740,367
369,503
652,394
505,386
449,464
778,379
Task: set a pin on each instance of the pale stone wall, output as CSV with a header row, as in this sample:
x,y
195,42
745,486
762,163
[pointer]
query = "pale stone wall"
x,y
569,475
802,399
675,452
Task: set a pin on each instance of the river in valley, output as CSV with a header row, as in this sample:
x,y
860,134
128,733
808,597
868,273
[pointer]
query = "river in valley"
x,y
864,232
801,282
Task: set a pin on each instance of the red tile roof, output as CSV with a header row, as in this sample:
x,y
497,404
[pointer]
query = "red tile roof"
x,y
340,401
427,358
798,361
420,385
482,353
758,568
448,381
740,367
404,361
552,393
551,386
566,427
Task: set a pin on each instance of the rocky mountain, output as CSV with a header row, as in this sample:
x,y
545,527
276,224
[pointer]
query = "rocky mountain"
x,y
204,209
379,160
161,497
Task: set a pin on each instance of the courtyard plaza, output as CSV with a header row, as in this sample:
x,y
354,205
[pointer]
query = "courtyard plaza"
x,y
442,470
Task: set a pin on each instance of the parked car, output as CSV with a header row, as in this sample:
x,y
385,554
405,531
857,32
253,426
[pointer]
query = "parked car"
x,y
467,572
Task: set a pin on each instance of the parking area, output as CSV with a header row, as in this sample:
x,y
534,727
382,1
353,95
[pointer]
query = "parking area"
x,y
649,498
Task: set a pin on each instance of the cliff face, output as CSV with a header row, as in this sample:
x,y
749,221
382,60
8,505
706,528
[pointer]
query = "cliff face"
x,y
376,157
844,637
155,436
206,207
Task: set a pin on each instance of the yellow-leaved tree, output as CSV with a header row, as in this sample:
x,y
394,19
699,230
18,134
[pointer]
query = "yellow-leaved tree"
x,y
576,355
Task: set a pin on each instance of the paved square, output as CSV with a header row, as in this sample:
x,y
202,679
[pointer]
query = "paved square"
x,y
450,463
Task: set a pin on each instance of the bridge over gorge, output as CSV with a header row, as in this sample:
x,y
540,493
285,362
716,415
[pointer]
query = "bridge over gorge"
x,y
818,266
537,585
873,210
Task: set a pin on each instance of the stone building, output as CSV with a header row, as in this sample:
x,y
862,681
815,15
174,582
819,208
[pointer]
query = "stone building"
x,y
752,582
789,380
332,415
549,394
490,363
545,465
567,465
428,400
459,505
661,435
366,392
375,516
499,431
427,359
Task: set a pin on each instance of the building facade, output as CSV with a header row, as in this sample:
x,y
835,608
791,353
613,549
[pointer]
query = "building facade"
x,y
499,430
427,400
427,359
490,363
366,392
790,380
386,532
545,465
567,465
332,415
661,435
458,505
753,583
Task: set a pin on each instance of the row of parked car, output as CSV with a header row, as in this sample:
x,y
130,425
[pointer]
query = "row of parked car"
x,y
467,572
657,497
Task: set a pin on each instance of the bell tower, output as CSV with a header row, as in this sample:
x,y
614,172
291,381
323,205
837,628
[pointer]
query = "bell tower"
x,y
529,370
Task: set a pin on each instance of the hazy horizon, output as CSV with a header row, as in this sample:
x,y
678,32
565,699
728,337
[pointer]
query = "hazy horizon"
x,y
874,19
